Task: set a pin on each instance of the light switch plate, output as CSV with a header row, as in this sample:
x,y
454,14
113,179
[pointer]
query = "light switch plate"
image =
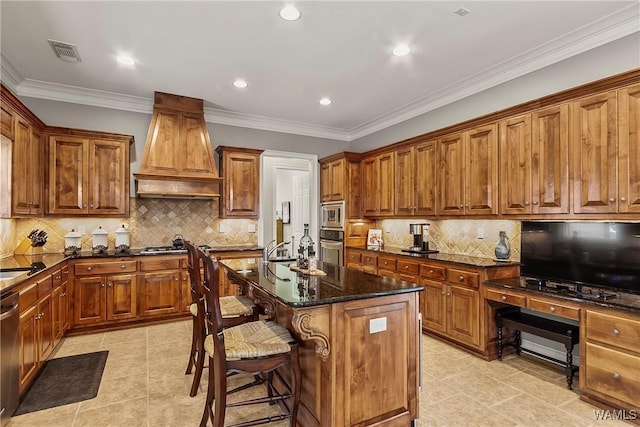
x,y
251,228
480,233
222,228
377,325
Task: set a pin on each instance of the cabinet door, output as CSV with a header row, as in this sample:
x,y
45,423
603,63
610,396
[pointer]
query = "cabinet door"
x,y
242,185
386,184
159,293
108,177
629,149
451,175
23,168
337,180
404,176
594,135
36,172
434,311
370,183
463,316
550,160
481,171
325,182
89,300
68,183
28,346
515,165
121,297
160,154
46,337
7,121
56,312
195,148
425,178
65,306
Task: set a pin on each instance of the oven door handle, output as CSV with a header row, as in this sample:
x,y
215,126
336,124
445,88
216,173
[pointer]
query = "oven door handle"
x,y
331,244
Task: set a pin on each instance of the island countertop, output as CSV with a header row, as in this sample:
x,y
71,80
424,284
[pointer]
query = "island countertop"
x,y
296,289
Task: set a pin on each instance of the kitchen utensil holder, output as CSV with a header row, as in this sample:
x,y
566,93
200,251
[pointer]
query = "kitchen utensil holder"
x,y
25,248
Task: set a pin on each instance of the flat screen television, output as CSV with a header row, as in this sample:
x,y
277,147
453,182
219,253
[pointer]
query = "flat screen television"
x,y
600,254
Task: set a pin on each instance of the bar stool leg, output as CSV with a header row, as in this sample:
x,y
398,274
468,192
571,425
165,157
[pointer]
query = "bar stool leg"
x,y
500,344
518,342
569,368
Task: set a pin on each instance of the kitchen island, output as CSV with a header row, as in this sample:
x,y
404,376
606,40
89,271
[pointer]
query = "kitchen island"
x,y
359,336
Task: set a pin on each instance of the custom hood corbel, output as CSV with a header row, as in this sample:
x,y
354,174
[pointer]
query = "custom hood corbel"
x,y
178,159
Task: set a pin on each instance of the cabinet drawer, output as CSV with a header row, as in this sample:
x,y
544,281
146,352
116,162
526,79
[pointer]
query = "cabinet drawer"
x,y
45,285
461,277
93,268
614,330
405,267
369,260
505,297
28,297
552,307
160,264
612,373
433,272
57,278
353,257
386,263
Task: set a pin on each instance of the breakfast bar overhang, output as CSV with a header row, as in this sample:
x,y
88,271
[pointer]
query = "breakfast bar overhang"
x,y
359,335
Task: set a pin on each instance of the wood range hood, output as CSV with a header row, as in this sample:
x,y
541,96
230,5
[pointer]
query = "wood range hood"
x,y
178,158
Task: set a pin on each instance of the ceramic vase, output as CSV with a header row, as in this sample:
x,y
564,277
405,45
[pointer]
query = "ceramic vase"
x,y
503,248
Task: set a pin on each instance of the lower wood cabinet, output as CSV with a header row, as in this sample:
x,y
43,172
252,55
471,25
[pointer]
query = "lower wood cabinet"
x,y
160,285
227,287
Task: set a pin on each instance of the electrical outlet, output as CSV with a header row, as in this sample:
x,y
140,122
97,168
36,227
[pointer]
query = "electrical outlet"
x,y
251,228
222,228
480,233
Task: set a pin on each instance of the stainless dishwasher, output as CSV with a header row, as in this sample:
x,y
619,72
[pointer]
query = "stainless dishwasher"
x,y
9,350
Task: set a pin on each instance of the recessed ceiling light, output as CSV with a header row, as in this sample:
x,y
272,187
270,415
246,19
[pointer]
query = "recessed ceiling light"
x,y
325,101
289,13
462,11
126,60
401,50
240,83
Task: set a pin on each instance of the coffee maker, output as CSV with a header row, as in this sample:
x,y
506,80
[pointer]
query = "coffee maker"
x,y
420,234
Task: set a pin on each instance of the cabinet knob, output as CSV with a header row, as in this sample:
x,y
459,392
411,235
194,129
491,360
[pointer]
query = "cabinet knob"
x,y
526,203
612,199
448,294
552,309
461,278
91,205
615,376
58,277
109,284
84,206
431,271
615,332
443,292
535,202
102,285
122,267
504,298
622,199
406,267
89,268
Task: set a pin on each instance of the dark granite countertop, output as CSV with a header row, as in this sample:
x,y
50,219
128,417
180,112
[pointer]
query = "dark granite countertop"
x,y
589,295
452,258
302,290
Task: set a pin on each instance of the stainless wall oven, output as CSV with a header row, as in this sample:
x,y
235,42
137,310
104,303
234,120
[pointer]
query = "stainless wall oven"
x,y
332,246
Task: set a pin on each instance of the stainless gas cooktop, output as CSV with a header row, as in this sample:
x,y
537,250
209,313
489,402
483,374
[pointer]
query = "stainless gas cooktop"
x,y
168,250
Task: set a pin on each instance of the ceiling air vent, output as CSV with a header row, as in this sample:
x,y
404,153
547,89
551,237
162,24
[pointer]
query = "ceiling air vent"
x,y
66,51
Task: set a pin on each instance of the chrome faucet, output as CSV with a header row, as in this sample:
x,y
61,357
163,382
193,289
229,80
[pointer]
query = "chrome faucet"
x,y
268,250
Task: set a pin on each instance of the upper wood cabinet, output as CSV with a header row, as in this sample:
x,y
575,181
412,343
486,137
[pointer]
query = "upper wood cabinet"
x,y
240,169
332,184
534,168
415,180
88,174
340,179
378,185
629,149
468,172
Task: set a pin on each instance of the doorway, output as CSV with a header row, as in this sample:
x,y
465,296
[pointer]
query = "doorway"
x,y
293,178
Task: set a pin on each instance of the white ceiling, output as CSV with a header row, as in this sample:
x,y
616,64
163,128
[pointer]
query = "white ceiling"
x,y
337,49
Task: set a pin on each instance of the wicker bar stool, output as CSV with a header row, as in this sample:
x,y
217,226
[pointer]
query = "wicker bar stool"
x,y
259,348
235,310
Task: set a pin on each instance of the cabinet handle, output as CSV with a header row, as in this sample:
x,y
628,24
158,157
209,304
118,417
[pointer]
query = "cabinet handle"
x,y
89,268
615,332
37,317
461,278
504,298
552,309
122,267
615,376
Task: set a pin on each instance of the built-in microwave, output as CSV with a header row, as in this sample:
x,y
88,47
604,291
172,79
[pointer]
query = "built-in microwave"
x,y
333,215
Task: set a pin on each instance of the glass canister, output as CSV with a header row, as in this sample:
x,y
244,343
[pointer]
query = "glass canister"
x,y
99,240
123,240
72,243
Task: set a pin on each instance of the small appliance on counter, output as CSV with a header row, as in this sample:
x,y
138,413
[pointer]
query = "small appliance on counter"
x,y
99,241
123,240
72,242
420,234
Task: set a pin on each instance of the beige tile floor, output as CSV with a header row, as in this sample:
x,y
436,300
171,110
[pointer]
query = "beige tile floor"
x,y
144,385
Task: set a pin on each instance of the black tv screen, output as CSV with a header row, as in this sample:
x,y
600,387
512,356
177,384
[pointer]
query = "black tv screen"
x,y
601,254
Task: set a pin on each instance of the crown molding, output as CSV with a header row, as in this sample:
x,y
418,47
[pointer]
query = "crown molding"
x,y
598,33
609,28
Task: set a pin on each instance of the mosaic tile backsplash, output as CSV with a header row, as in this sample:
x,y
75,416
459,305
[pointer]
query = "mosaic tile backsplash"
x,y
455,236
153,222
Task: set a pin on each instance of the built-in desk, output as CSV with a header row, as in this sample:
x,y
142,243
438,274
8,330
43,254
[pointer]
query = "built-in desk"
x,y
359,337
609,335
